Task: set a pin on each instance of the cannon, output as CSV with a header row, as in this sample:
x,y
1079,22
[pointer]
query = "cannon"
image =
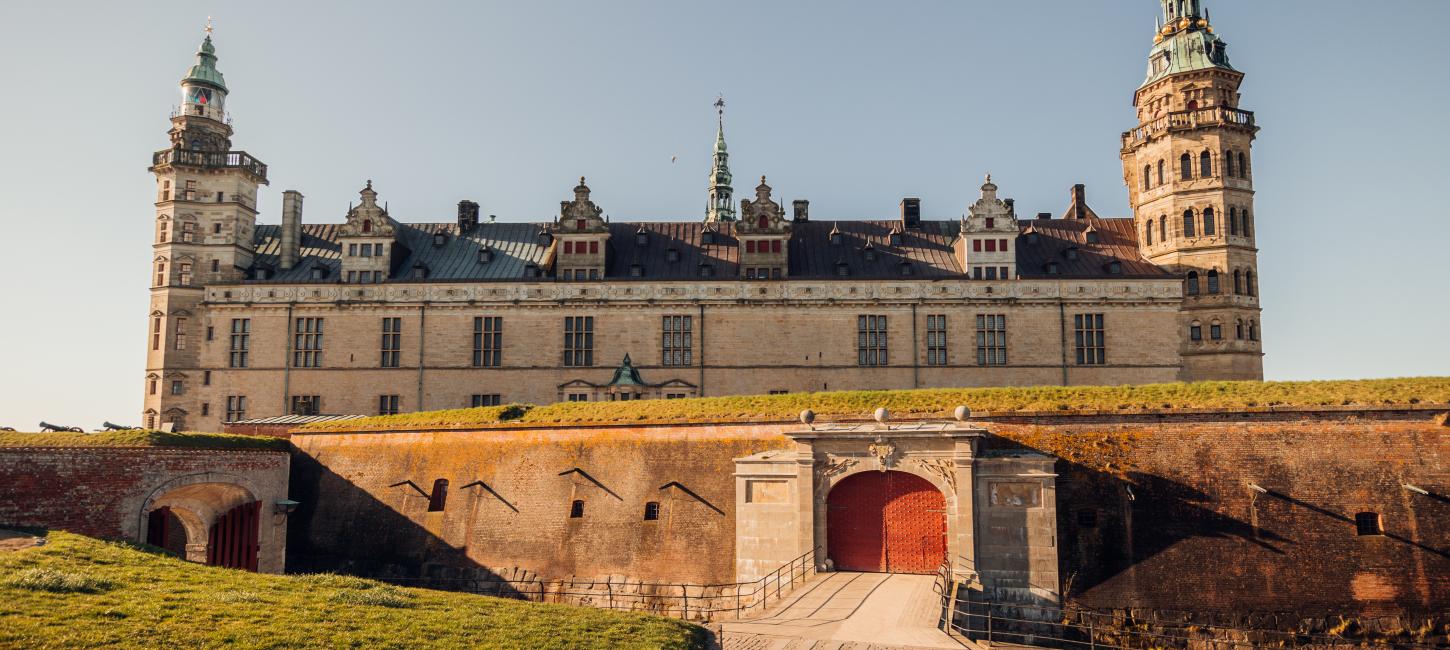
x,y
7,429
111,426
46,426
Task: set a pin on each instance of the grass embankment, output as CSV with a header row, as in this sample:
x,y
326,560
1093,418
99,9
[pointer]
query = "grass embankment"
x,y
78,592
142,438
933,403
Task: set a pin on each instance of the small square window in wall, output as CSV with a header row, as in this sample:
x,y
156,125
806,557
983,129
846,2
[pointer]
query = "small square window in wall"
x,y
652,511
1368,523
576,509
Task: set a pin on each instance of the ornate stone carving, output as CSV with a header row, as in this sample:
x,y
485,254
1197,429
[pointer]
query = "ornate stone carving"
x,y
826,469
882,449
942,468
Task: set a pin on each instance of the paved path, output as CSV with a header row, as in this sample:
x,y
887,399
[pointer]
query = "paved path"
x,y
848,611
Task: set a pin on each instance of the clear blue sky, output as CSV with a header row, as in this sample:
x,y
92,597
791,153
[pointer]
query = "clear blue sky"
x,y
851,105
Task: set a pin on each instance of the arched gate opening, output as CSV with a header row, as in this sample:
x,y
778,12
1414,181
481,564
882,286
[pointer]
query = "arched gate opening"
x,y
889,521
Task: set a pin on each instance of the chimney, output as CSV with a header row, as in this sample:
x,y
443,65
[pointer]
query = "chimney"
x,y
910,213
467,215
291,229
1044,215
1011,206
802,210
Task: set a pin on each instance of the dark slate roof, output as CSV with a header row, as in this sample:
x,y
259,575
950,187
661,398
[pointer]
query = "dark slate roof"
x,y
928,248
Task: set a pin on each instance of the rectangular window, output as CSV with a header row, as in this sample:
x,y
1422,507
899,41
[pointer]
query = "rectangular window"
x,y
352,250
236,408
976,245
240,342
991,245
677,343
750,245
306,404
578,340
871,341
183,273
156,333
991,340
216,265
367,250
936,340
180,337
1088,333
775,246
205,409
1002,245
593,250
307,343
206,378
387,405
493,399
392,341
176,387
578,397
568,248
487,341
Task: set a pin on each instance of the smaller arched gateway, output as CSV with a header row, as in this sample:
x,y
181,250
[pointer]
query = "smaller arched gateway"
x,y
886,521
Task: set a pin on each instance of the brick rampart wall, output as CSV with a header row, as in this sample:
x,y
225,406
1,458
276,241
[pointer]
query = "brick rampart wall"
x,y
1154,509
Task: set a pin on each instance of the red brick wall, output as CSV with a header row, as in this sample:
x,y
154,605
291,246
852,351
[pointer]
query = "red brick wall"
x,y
1191,537
100,490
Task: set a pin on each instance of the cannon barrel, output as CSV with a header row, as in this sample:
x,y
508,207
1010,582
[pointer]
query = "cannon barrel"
x,y
111,426
46,426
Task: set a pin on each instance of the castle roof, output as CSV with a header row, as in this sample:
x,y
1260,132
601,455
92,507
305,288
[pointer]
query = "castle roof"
x,y
676,250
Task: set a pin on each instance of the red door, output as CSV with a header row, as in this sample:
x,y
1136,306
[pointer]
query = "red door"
x,y
232,541
886,521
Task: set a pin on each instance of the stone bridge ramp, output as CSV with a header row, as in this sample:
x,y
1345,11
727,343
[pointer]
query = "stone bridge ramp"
x,y
848,611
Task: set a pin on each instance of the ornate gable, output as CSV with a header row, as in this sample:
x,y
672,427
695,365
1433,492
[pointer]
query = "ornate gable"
x,y
367,219
581,214
763,216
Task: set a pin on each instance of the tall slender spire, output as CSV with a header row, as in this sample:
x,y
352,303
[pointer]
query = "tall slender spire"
x,y
721,197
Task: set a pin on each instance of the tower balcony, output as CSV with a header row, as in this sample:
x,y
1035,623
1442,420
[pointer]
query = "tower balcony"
x,y
209,111
1217,116
210,160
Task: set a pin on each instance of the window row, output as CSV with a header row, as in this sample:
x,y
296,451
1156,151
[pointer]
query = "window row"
x,y
366,250
770,246
1192,223
1243,330
581,248
1235,163
1243,283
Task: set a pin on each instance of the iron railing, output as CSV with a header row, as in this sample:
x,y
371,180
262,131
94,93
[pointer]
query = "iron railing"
x,y
1073,627
210,159
680,600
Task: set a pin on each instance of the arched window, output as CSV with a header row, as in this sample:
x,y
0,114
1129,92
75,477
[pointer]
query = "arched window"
x,y
1192,104
1233,221
1253,330
1205,165
1209,227
439,497
1188,230
1191,286
1239,329
763,223
1195,331
576,509
1148,233
1185,167
1163,227
1147,177
652,511
1249,282
1247,223
1238,283
1243,166
1160,172
196,144
1213,281
1228,160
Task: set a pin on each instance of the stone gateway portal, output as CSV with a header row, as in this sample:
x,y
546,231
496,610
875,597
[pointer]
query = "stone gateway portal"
x,y
886,521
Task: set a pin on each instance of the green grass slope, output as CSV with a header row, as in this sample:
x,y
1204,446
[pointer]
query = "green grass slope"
x,y
937,402
79,592
142,438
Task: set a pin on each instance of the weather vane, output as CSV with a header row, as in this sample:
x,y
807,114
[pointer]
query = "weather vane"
x,y
208,25
720,104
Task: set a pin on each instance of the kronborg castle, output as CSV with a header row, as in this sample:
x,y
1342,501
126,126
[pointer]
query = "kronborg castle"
x,y
380,315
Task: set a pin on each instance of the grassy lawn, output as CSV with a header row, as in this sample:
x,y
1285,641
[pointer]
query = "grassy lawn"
x,y
79,592
142,438
933,403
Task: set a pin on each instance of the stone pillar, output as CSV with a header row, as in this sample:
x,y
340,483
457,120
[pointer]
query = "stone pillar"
x,y
196,553
963,546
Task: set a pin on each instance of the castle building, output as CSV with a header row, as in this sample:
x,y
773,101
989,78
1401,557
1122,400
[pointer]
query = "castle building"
x,y
381,315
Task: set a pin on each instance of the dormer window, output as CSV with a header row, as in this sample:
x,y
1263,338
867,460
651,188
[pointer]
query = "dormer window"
x,y
1092,237
485,255
440,239
1032,238
843,269
1053,269
672,255
319,273
869,252
707,271
1070,253
907,268
641,238
1115,267
894,238
707,238
836,238
420,271
263,273
545,238
531,271
636,270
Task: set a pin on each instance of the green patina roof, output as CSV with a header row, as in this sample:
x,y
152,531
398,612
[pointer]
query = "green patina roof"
x,y
626,375
1186,51
204,71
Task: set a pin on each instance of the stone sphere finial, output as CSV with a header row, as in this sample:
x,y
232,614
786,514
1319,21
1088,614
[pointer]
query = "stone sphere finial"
x,y
882,415
808,416
961,413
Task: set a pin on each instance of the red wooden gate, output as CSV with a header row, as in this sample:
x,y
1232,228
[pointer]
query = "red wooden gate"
x,y
233,539
886,521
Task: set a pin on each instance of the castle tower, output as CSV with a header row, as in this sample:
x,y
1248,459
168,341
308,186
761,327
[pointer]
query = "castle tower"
x,y
720,206
1189,174
206,198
